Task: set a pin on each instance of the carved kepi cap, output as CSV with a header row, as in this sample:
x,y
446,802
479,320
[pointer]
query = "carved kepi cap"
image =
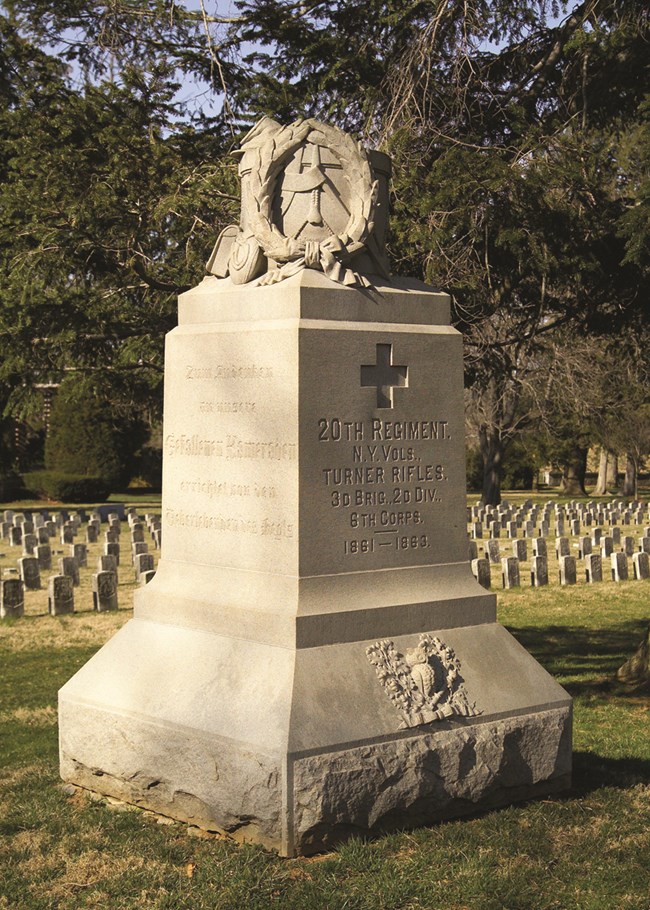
x,y
312,197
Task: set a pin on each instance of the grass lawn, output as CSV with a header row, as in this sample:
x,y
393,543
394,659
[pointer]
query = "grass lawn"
x,y
588,849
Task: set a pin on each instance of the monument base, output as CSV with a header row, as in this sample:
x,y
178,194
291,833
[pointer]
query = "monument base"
x,y
300,749
314,657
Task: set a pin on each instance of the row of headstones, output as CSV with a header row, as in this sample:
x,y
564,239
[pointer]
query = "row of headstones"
x,y
60,587
29,567
535,520
40,528
567,566
586,546
69,528
60,594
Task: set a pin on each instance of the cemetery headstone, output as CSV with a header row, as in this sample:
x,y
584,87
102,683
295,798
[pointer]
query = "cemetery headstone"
x,y
69,566
493,551
12,598
539,547
107,563
112,549
585,547
143,562
30,542
481,572
539,571
510,572
80,553
60,598
607,546
104,591
641,565
567,570
44,555
30,573
593,567
520,550
315,549
619,567
562,547
138,549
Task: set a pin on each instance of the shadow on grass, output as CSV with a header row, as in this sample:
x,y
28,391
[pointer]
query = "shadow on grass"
x,y
592,772
588,657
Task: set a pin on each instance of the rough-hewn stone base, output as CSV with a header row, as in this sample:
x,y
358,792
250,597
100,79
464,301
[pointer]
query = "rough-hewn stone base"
x,y
433,775
296,750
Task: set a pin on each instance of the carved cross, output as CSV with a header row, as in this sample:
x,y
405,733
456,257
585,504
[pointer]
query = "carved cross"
x,y
384,376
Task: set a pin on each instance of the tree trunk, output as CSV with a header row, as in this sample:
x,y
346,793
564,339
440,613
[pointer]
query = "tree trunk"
x,y
492,449
573,480
631,477
601,483
612,473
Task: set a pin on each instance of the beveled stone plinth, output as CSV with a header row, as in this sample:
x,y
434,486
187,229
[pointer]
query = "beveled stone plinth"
x,y
313,505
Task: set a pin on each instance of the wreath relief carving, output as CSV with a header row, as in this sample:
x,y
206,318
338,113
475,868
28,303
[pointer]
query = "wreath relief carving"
x,y
425,684
309,200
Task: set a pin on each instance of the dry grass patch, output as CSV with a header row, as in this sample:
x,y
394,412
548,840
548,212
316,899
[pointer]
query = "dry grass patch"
x,y
31,717
78,629
640,797
14,777
87,870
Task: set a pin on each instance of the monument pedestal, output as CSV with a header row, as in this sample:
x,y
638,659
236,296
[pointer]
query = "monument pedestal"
x,y
314,657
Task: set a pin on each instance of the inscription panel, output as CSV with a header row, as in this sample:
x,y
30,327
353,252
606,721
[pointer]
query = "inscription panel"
x,y
230,449
382,465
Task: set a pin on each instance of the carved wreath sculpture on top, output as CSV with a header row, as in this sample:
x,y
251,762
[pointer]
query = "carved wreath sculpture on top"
x,y
425,685
329,254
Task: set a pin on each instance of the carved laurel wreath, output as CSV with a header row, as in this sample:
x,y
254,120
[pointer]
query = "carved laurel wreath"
x,y
273,156
397,678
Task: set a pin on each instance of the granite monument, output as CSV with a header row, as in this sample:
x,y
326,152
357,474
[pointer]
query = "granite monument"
x,y
314,657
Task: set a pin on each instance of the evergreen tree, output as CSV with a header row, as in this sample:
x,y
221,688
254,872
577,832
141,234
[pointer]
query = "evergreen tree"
x,y
518,129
